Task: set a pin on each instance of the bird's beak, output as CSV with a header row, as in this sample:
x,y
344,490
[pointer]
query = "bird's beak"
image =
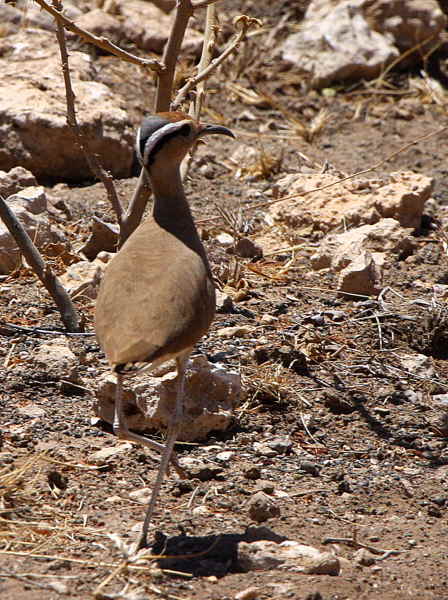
x,y
210,129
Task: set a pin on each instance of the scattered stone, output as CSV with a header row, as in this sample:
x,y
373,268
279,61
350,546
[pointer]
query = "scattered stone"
x,y
224,302
261,507
83,278
309,467
225,456
56,360
252,473
288,555
102,456
265,486
336,251
237,331
401,197
364,558
418,364
30,208
211,396
363,276
200,470
262,449
281,444
250,593
225,238
103,237
15,180
246,248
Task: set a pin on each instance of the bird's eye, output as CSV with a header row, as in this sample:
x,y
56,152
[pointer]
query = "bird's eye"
x,y
185,130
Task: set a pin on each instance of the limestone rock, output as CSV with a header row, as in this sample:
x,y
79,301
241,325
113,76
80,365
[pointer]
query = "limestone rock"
x,y
83,278
338,250
57,360
15,180
262,507
288,555
29,207
211,395
34,131
354,39
362,276
351,203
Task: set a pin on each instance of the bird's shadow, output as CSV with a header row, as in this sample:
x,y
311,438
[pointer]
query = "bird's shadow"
x,y
203,556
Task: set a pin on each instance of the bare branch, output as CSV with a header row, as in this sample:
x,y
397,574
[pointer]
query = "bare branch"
x,y
101,42
81,140
184,11
134,213
245,23
69,316
203,3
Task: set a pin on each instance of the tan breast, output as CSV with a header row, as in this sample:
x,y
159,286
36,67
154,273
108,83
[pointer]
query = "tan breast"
x,y
156,298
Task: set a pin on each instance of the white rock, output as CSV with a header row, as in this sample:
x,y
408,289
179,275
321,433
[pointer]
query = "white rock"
x,y
29,207
237,331
418,364
103,455
142,496
338,250
362,276
211,396
83,278
289,555
57,360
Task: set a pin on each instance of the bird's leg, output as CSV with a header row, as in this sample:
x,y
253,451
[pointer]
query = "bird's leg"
x,y
173,429
121,430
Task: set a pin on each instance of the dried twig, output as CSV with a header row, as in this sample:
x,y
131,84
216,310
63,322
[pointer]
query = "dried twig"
x,y
72,121
69,315
101,42
244,22
38,330
355,544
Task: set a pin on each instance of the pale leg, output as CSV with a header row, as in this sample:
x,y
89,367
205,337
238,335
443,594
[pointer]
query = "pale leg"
x,y
173,429
122,432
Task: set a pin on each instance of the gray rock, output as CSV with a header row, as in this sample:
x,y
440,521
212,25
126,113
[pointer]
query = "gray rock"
x,y
262,507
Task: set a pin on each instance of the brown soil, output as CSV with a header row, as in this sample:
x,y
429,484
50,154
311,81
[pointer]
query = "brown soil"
x,y
368,459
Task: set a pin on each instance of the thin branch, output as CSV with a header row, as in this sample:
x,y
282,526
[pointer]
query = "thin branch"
x,y
101,42
184,10
134,213
245,23
208,46
69,316
203,3
39,331
80,138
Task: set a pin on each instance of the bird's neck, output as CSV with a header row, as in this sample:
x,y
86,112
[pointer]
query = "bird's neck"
x,y
171,210
170,203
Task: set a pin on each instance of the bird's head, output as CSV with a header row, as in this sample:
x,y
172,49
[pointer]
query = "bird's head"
x,y
169,136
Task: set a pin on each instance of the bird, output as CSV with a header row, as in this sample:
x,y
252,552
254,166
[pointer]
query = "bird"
x,y
157,296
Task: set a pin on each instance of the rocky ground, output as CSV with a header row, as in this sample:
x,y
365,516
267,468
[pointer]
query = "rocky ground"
x,y
340,439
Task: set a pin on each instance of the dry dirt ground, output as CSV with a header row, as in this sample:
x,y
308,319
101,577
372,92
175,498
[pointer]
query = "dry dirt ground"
x,y
360,449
